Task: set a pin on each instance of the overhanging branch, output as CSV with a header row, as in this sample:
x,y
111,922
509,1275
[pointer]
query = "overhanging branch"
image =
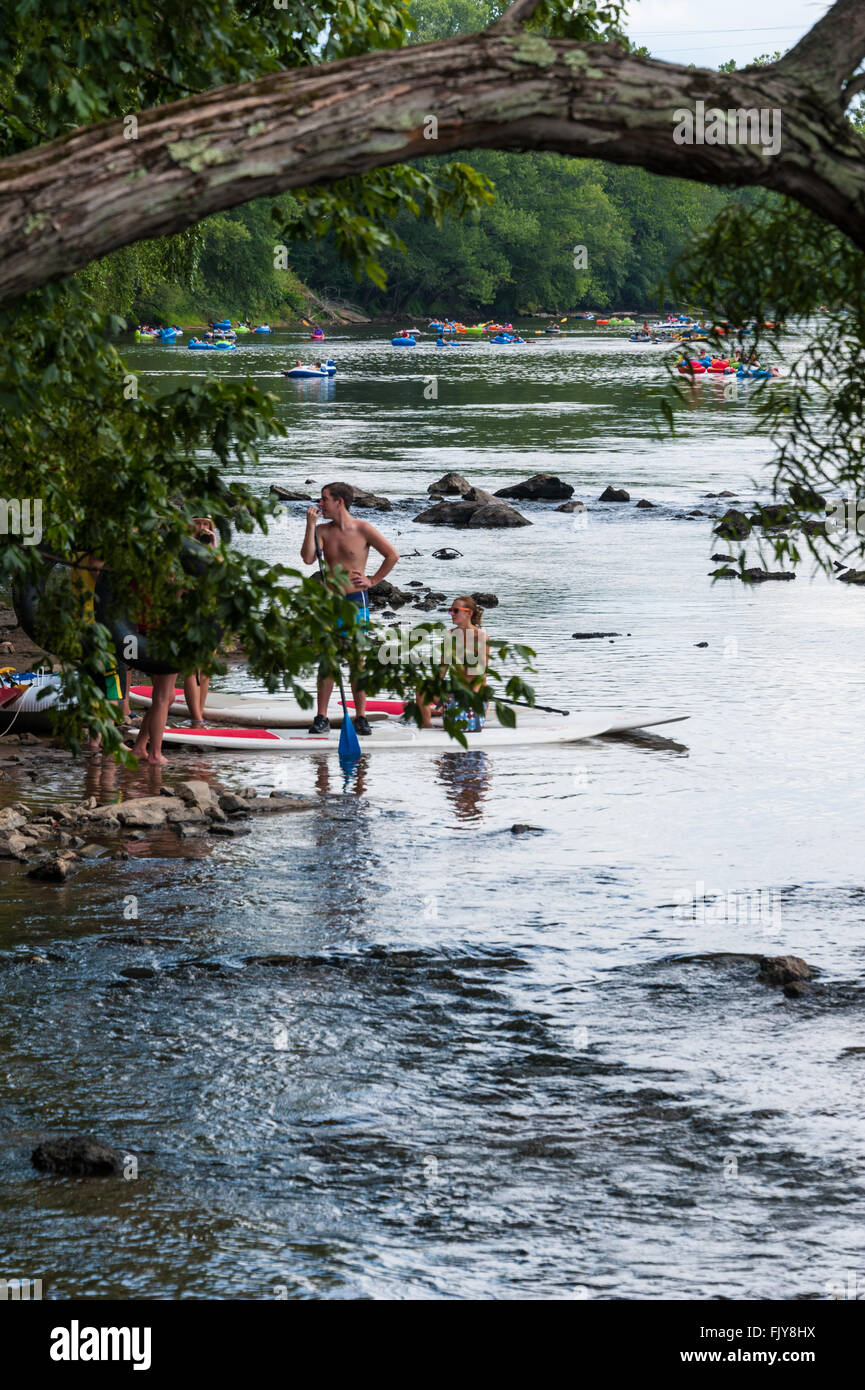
x,y
74,200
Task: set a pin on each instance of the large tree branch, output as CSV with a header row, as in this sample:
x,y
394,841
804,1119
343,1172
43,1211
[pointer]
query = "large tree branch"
x,y
831,51
64,204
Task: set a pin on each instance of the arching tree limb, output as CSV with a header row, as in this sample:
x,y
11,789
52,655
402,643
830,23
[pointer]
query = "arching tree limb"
x,y
67,203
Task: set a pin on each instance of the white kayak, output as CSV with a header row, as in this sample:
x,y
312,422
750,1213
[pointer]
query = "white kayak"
x,y
392,735
262,711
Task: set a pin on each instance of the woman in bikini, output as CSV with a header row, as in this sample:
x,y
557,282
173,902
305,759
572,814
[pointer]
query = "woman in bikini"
x,y
469,655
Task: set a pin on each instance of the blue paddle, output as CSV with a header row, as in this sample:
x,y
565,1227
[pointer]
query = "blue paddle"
x,y
349,744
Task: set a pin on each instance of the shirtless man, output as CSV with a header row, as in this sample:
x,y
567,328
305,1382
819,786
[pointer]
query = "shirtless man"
x,y
345,542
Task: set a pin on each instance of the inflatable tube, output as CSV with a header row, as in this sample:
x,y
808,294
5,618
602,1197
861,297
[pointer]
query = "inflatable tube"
x,y
403,342
329,369
210,347
263,329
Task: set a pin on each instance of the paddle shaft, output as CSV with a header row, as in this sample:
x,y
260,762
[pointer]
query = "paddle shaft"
x,y
548,709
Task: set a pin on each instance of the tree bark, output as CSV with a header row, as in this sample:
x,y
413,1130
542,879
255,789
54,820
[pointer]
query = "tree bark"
x,y
69,202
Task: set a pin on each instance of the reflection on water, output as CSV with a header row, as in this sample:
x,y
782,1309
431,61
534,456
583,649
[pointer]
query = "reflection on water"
x,y
466,778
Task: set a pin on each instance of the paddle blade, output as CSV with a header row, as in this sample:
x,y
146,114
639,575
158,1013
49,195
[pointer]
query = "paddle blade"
x,y
349,744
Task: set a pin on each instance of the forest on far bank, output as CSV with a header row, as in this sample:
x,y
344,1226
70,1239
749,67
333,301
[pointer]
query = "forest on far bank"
x,y
558,235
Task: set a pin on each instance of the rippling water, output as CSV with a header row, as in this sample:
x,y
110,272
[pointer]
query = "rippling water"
x,y
390,1048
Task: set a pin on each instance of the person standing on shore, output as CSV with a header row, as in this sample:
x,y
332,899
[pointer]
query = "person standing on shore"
x,y
345,542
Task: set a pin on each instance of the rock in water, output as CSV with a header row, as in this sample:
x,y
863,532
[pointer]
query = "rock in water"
x,y
573,506
614,494
77,1156
56,868
755,575
486,600
447,553
449,485
496,516
733,526
473,514
286,494
369,499
785,970
542,487
644,504
585,636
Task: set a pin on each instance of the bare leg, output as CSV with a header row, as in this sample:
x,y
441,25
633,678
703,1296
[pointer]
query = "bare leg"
x,y
139,747
325,690
163,694
195,689
425,711
359,700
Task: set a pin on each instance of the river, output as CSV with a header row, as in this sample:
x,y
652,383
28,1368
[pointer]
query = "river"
x,y
390,1048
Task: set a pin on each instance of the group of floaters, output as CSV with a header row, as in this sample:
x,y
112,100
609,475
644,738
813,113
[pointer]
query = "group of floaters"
x,y
219,334
738,365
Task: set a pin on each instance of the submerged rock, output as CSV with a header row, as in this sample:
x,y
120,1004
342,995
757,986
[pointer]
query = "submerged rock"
x,y
368,499
77,1156
733,526
644,504
756,575
573,506
786,972
586,636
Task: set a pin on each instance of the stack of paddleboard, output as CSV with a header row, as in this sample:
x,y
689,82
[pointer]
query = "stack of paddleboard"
x,y
270,724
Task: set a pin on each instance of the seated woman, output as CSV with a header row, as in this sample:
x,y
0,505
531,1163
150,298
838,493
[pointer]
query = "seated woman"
x,y
470,656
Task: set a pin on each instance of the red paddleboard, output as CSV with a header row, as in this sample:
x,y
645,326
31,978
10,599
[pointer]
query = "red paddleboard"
x,y
381,706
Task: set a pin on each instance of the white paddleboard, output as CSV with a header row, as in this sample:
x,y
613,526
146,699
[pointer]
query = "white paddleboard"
x,y
261,711
391,735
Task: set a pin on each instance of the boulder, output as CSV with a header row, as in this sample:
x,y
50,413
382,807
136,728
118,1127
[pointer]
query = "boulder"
x,y
77,1156
287,494
56,868
542,487
369,499
573,506
806,499
233,804
755,575
614,494
733,526
14,845
484,600
385,594
145,812
197,793
477,494
644,504
496,516
775,514
10,819
784,970
449,485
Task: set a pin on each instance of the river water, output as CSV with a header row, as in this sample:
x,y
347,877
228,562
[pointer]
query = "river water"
x,y
390,1048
